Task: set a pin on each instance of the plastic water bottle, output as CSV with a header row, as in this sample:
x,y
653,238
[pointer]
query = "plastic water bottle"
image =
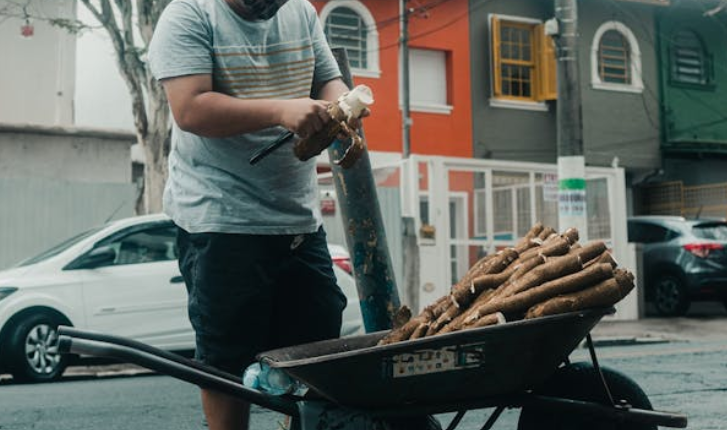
x,y
273,381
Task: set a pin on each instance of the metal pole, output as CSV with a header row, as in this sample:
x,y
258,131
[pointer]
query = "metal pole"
x,y
364,227
571,163
405,90
410,247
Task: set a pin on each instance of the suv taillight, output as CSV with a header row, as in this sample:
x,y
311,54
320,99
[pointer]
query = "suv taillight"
x,y
702,250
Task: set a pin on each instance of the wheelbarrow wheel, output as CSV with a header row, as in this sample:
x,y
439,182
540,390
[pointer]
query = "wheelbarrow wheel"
x,y
580,381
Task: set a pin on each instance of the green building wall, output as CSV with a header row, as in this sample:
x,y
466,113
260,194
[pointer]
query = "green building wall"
x,y
694,117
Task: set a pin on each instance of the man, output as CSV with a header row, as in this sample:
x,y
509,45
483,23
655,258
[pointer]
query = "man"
x,y
238,74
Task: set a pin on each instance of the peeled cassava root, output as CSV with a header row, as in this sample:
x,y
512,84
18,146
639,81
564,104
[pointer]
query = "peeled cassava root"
x,y
349,106
545,273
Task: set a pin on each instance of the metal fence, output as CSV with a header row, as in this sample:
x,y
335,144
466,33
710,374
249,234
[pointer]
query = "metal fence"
x,y
675,198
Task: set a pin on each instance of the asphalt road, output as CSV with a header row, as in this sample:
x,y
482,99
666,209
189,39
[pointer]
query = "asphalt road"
x,y
688,377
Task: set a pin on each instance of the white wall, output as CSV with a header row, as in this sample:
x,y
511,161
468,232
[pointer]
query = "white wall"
x,y
37,74
58,154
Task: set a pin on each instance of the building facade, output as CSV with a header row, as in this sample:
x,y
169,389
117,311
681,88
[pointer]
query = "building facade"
x,y
693,68
37,79
440,71
514,94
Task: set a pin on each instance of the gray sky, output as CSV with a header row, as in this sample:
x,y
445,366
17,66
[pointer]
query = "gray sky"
x,y
102,99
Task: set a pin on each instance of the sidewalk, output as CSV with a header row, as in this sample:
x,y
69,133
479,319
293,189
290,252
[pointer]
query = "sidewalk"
x,y
704,322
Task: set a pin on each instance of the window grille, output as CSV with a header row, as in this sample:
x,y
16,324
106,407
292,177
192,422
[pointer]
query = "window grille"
x,y
614,62
345,28
688,59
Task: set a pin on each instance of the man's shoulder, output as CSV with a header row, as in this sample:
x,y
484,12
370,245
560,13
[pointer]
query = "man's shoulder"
x,y
198,8
302,8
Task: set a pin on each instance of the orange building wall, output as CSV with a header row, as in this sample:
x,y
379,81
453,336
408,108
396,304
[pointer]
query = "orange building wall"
x,y
443,27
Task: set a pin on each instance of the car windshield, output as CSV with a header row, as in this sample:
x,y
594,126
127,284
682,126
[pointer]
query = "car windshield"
x,y
52,252
714,231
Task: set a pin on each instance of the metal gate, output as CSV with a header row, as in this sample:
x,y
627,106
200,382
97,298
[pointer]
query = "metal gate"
x,y
466,208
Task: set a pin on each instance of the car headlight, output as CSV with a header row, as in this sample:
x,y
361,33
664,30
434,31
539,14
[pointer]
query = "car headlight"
x,y
6,291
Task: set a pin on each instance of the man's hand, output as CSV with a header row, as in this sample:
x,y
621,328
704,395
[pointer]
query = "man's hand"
x,y
354,124
304,117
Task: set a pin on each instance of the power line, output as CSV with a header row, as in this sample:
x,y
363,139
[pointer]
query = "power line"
x,y
619,143
653,45
378,25
455,20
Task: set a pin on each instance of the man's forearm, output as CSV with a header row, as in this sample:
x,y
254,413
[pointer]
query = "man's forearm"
x,y
213,114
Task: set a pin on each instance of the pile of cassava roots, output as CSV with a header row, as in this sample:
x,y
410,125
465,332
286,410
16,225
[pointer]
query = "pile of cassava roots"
x,y
544,274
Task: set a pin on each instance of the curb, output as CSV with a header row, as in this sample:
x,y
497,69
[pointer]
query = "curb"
x,y
625,341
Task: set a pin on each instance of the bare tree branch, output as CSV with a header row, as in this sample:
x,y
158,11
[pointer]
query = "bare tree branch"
x,y
149,12
127,56
152,118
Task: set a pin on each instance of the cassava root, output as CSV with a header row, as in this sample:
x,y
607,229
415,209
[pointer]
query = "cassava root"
x,y
544,273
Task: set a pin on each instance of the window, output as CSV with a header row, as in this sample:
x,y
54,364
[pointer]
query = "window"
x,y
643,232
145,246
688,59
711,231
349,24
523,61
616,59
428,81
613,58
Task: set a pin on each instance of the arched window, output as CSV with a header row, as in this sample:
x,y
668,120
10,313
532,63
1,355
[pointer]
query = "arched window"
x,y
616,59
689,59
349,24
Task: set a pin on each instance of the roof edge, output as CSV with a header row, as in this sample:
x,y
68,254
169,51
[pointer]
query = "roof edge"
x,y
55,130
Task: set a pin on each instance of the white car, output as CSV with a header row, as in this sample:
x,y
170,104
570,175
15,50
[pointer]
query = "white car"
x,y
122,279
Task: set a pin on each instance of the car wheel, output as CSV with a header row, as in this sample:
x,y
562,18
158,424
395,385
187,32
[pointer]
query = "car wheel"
x,y
670,296
581,381
33,349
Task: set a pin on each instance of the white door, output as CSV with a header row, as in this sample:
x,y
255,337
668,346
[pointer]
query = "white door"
x,y
140,294
458,235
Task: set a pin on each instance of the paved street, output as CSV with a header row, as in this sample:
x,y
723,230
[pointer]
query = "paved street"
x,y
688,376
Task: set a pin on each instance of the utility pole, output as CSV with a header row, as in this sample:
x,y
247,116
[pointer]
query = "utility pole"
x,y
364,228
410,246
571,162
405,96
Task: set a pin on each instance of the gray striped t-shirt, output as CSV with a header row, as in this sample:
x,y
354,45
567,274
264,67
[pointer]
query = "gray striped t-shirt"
x,y
211,185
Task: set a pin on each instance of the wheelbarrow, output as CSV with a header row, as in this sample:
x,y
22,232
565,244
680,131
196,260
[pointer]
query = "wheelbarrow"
x,y
521,364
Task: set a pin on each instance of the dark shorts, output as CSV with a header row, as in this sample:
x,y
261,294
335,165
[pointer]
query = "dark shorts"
x,y
252,293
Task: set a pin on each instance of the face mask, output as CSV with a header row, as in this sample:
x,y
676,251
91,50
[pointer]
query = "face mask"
x,y
261,9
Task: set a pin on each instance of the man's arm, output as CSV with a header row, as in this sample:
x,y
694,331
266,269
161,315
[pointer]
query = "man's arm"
x,y
331,90
198,109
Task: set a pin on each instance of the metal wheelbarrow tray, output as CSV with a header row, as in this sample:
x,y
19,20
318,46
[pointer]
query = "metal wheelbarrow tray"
x,y
449,368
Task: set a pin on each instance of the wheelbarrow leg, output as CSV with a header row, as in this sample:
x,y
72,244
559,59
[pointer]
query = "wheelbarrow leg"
x,y
594,360
493,418
456,420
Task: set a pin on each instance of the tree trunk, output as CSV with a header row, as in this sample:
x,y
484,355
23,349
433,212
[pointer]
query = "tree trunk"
x,y
156,144
155,177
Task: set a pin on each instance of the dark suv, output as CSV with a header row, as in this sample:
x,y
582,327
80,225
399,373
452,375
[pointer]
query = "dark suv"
x,y
684,260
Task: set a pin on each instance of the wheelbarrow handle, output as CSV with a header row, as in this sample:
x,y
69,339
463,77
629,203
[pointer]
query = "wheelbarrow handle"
x,y
80,342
